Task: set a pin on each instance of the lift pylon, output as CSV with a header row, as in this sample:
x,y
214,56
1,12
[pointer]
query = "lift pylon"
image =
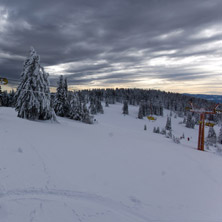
x,y
202,113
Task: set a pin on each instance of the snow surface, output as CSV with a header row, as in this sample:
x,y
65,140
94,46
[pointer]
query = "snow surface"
x,y
112,171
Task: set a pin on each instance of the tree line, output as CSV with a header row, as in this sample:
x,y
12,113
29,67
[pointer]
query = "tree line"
x,y
33,100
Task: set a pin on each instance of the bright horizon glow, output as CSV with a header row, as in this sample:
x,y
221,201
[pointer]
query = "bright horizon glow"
x,y
192,88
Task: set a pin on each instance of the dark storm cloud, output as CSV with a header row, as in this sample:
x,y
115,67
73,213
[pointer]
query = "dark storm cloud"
x,y
123,34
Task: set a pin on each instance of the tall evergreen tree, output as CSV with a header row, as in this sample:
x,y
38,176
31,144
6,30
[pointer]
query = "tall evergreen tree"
x,y
99,107
61,105
66,103
190,123
219,139
92,107
0,96
211,137
76,112
168,124
86,117
125,108
33,94
140,113
107,102
12,98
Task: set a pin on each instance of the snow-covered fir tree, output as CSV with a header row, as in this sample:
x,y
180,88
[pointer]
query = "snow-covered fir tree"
x,y
140,113
33,94
176,139
61,105
169,134
190,123
79,111
125,108
219,138
92,108
107,102
211,137
76,111
99,107
158,129
106,98
66,104
168,124
7,99
86,118
11,98
1,96
163,131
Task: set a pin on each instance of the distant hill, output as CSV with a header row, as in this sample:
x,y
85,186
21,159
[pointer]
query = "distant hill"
x,y
214,98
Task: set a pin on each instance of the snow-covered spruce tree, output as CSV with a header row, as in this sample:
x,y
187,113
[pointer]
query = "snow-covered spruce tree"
x,y
92,108
169,134
211,137
99,107
163,131
61,105
33,94
107,102
66,104
190,123
176,139
125,108
11,99
0,96
86,117
219,139
4,98
76,112
168,124
158,129
106,95
140,113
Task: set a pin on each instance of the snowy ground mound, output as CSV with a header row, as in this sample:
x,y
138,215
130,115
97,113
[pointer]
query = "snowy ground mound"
x,y
110,171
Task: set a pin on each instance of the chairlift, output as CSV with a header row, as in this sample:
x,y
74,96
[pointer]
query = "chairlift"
x,y
151,118
210,124
3,81
188,108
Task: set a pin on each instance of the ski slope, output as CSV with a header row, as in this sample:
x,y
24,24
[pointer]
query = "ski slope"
x,y
110,171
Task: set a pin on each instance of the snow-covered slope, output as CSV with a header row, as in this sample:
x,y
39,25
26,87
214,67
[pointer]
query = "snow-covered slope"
x,y
112,171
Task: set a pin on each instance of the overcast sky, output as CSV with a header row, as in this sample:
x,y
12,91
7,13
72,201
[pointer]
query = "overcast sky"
x,y
172,45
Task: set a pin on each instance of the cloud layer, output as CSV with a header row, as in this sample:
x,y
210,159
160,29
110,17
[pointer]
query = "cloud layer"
x,y
169,45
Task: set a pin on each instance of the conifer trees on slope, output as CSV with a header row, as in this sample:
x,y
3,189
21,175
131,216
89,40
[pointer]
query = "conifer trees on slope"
x,y
61,105
33,95
125,108
70,104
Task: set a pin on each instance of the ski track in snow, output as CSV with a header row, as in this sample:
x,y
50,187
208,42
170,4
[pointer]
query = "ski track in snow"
x,y
45,170
32,215
82,205
44,195
56,195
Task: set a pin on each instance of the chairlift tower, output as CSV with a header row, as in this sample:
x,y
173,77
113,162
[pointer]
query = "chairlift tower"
x,y
202,113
